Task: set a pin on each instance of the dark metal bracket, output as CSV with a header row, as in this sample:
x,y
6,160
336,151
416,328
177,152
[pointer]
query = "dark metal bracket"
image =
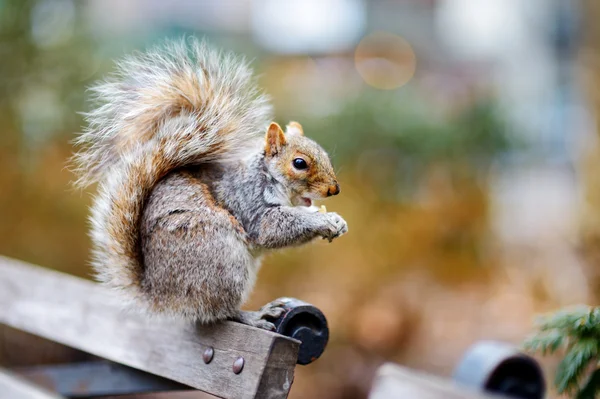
x,y
307,324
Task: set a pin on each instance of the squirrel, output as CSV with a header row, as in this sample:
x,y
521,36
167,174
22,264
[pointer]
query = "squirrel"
x,y
195,183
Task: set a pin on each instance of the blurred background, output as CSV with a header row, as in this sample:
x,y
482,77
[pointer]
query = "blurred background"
x,y
463,132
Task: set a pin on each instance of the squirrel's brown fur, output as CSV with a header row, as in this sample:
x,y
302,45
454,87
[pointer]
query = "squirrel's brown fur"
x,y
175,131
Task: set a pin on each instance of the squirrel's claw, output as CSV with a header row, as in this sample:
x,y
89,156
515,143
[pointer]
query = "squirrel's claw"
x,y
272,310
263,324
336,226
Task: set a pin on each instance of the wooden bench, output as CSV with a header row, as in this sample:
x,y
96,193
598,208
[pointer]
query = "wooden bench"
x,y
104,351
488,370
228,360
393,381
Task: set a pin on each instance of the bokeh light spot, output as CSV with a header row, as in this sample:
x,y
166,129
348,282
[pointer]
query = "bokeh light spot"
x,y
385,61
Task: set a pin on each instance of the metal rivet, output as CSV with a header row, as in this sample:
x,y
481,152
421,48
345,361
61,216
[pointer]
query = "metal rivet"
x,y
208,354
238,365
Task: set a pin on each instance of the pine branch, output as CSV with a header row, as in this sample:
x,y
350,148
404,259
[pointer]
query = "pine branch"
x,y
577,359
577,329
572,321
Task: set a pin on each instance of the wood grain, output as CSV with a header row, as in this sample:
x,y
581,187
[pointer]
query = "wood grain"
x,y
83,315
395,382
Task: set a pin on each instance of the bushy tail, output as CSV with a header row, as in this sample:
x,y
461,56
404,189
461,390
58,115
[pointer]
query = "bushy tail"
x,y
179,104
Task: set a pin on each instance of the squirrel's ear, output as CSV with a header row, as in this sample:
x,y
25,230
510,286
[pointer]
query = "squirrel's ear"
x,y
275,139
294,128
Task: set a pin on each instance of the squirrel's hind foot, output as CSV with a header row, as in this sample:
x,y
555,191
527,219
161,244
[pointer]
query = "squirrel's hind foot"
x,y
260,318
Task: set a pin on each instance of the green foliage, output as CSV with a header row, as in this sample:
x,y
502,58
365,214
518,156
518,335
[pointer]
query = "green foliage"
x,y
578,331
545,342
574,364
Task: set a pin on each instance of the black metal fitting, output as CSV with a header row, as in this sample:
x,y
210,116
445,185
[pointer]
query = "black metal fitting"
x,y
497,367
307,324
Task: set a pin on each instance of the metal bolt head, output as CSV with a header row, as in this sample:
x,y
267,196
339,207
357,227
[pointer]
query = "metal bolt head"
x,y
208,355
238,365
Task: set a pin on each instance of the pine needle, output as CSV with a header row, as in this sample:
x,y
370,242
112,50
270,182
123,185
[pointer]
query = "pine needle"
x,y
573,365
546,342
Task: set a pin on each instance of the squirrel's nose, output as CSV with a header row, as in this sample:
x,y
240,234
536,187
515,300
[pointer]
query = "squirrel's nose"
x,y
333,189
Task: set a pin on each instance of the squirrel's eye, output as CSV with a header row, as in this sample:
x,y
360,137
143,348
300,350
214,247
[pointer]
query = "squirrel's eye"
x,y
300,163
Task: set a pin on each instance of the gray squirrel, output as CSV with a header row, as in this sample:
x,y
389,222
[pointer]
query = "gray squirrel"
x,y
195,183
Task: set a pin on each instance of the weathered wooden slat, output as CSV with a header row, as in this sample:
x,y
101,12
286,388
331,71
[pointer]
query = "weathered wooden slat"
x,y
395,382
14,387
85,316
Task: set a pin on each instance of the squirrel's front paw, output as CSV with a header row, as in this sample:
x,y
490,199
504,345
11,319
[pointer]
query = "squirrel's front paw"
x,y
334,227
260,318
